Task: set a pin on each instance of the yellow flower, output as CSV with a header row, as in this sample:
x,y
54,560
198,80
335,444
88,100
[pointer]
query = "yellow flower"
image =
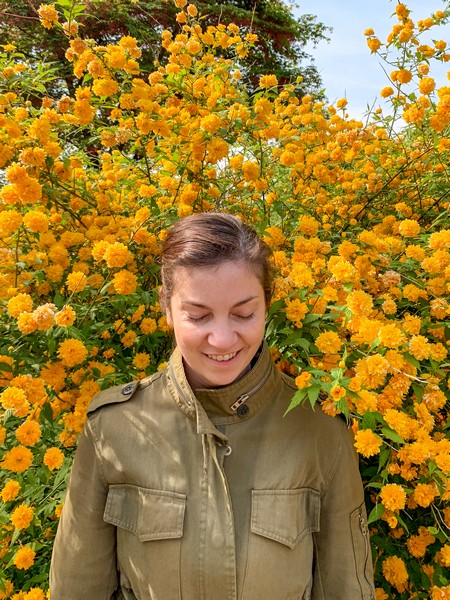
x,y
274,237
141,360
29,433
65,317
409,228
303,380
117,255
403,76
308,225
360,303
372,370
128,339
76,281
148,326
419,347
386,92
328,342
10,490
48,15
343,271
15,398
393,496
267,81
296,311
367,442
53,458
337,392
250,171
19,304
22,516
72,352
24,558
418,544
391,336
424,494
426,85
394,570
373,43
17,460
44,316
124,282
105,87
192,10
36,221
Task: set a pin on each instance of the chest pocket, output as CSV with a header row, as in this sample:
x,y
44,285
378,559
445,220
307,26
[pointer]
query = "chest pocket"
x,y
149,530
280,550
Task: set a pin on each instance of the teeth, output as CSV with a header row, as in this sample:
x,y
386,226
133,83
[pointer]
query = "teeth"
x,y
222,357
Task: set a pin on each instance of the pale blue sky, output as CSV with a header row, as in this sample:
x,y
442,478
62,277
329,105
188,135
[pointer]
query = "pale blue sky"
x,y
347,67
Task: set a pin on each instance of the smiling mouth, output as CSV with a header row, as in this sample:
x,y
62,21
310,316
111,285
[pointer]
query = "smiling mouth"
x,y
221,357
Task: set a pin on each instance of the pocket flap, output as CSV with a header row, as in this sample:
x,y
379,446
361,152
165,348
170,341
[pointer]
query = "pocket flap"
x,y
285,516
149,514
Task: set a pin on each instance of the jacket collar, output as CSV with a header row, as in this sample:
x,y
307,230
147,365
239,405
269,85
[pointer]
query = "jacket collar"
x,y
219,406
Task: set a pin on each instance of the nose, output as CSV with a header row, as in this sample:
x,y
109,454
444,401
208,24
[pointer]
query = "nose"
x,y
222,336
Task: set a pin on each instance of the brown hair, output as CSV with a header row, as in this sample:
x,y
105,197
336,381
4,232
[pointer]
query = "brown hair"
x,y
209,239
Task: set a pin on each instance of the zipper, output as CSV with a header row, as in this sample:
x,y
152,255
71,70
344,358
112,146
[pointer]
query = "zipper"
x,y
244,397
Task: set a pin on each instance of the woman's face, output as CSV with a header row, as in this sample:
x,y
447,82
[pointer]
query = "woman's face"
x,y
218,316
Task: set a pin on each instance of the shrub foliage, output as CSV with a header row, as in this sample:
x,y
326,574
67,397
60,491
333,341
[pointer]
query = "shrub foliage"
x,y
358,219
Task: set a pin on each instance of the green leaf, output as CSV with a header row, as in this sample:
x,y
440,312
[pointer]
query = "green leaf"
x,y
297,398
412,361
370,420
313,393
392,435
418,390
375,513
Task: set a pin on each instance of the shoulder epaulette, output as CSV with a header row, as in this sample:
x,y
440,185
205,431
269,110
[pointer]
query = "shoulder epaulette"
x,y
113,395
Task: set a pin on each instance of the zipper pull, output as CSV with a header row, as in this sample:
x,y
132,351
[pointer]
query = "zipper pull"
x,y
240,401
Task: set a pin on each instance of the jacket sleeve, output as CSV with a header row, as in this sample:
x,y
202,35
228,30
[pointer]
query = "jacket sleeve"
x,y
342,560
83,565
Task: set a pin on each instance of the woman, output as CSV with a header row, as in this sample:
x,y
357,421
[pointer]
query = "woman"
x,y
190,484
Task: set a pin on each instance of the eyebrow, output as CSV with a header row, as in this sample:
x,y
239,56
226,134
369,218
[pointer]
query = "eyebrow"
x,y
199,305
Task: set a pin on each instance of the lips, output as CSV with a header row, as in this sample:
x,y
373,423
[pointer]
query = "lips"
x,y
221,357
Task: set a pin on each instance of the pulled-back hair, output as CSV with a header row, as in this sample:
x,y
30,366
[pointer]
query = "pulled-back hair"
x,y
210,239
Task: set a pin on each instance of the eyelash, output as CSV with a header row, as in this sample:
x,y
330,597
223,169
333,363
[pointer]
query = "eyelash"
x,y
199,319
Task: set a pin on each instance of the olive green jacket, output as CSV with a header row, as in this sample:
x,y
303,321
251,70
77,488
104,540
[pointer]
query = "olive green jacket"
x,y
216,496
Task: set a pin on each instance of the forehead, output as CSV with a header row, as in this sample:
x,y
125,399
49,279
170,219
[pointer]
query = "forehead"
x,y
225,280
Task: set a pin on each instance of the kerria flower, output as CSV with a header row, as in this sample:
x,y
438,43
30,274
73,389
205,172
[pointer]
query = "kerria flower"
x,y
367,442
394,570
17,460
29,433
22,516
393,496
10,490
24,558
124,282
328,342
72,352
53,458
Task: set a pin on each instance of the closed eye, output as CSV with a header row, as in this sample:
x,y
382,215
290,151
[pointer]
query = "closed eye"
x,y
246,317
196,319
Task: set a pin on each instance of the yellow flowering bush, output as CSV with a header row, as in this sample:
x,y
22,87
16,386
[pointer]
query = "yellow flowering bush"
x,y
358,219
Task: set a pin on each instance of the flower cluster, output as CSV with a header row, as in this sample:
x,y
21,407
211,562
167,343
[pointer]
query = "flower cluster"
x,y
356,215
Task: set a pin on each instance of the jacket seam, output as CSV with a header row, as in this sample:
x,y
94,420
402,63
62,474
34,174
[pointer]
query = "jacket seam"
x,y
334,467
96,442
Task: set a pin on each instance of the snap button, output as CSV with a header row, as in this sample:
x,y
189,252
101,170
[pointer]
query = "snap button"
x,y
128,389
242,410
228,451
